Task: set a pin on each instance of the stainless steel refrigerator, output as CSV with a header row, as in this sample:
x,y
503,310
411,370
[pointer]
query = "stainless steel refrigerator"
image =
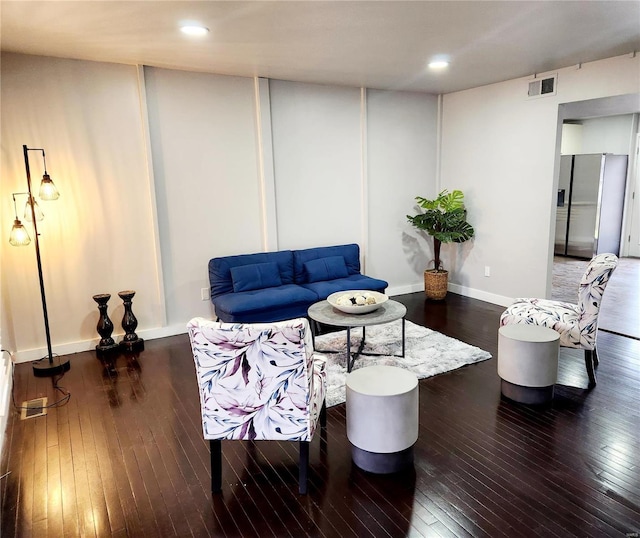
x,y
590,204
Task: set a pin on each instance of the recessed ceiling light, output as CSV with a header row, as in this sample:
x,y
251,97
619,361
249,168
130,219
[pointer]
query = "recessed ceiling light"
x,y
438,64
192,29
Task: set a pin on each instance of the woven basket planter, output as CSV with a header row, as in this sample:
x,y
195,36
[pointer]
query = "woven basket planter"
x,y
435,284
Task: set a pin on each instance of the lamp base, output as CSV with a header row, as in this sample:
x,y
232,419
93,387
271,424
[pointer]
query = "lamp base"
x,y
45,368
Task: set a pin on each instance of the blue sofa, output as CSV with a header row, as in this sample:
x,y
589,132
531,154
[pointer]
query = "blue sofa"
x,y
274,286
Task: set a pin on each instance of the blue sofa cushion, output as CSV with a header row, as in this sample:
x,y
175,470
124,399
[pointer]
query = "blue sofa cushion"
x,y
264,316
220,268
326,268
352,282
263,300
350,253
255,276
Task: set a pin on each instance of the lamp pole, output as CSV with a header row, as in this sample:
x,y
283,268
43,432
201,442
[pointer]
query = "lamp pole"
x,y
54,365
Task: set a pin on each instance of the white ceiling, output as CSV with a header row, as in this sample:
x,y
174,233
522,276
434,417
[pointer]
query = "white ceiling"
x,y
376,44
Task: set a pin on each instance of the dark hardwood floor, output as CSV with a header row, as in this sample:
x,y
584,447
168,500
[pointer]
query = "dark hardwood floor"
x,y
126,457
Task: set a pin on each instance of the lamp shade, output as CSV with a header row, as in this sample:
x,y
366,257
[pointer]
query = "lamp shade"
x,y
19,236
48,190
37,211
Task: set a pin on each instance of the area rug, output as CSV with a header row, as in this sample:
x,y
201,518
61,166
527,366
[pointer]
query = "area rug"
x,y
427,353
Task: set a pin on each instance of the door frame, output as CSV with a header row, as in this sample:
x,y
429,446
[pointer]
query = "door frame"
x,y
632,231
590,108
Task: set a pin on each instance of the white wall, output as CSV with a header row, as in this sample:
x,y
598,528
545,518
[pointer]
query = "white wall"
x,y
203,138
401,164
608,135
162,170
96,237
317,164
500,148
348,165
571,139
611,134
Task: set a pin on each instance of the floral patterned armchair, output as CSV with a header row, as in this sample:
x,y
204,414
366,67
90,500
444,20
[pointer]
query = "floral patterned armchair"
x,y
258,382
576,323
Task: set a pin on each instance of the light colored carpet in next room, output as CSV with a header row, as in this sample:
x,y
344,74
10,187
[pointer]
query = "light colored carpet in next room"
x,y
620,310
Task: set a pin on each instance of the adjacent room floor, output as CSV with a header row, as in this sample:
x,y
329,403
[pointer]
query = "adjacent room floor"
x,y
126,457
620,309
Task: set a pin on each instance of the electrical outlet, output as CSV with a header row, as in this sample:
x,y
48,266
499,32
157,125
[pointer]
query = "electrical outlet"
x,y
205,294
487,270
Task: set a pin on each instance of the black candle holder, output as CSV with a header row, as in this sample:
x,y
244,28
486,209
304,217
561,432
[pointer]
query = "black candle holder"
x,y
107,344
130,341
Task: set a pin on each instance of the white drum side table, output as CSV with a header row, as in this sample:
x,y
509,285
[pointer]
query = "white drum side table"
x,y
528,362
382,417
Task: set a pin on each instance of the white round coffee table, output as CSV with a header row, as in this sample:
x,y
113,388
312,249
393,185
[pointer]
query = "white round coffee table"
x,y
382,417
528,362
389,311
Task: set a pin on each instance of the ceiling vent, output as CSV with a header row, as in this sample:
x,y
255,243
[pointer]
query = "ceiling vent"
x,y
541,87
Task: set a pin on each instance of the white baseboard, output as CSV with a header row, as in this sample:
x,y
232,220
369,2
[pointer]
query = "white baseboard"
x,y
402,290
492,298
181,328
455,288
88,345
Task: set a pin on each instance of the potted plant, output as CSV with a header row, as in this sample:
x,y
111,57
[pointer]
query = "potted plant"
x,y
445,219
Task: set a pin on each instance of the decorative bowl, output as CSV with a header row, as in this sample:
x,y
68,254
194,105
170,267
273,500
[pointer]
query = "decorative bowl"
x,y
349,301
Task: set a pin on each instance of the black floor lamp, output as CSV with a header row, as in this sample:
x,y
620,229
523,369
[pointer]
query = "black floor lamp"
x,y
19,237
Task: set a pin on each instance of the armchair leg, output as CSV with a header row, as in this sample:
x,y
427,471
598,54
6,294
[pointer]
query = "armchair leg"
x,y
596,360
589,361
215,448
303,467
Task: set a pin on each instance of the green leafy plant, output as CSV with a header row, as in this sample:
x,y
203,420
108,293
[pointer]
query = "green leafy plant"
x,y
445,219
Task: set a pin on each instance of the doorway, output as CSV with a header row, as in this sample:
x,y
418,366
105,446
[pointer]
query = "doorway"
x,y
620,309
606,125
